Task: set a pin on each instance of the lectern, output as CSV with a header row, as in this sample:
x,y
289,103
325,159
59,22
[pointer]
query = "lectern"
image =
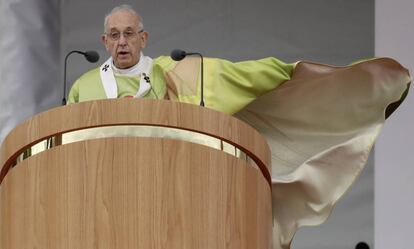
x,y
143,176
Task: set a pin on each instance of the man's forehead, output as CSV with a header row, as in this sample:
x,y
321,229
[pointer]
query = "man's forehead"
x,y
122,20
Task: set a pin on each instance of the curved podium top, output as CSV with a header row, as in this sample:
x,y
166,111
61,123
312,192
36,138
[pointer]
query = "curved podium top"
x,y
118,112
130,188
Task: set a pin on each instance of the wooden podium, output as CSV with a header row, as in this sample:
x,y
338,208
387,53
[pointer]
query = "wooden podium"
x,y
131,191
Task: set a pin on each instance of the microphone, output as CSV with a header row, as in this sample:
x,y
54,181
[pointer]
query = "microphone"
x,y
178,54
362,245
91,56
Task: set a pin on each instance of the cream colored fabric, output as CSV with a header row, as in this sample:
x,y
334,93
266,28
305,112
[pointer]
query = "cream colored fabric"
x,y
320,121
321,126
142,69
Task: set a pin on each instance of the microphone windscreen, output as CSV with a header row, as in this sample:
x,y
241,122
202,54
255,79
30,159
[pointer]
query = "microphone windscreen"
x,y
362,245
92,56
178,54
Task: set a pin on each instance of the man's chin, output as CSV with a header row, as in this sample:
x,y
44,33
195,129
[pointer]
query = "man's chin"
x,y
124,64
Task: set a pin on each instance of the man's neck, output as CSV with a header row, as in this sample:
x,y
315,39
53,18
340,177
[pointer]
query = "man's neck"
x,y
133,70
127,71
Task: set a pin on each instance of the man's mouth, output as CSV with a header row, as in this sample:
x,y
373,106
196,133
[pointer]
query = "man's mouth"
x,y
123,53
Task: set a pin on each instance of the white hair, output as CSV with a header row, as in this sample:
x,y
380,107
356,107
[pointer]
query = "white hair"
x,y
124,7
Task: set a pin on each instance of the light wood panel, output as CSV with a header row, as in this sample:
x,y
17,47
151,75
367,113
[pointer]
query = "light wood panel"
x,y
135,112
134,193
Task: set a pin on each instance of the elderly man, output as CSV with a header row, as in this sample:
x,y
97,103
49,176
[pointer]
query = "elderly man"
x,y
321,122
129,73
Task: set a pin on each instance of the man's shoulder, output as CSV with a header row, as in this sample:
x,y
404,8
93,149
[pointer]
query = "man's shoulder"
x,y
164,62
90,75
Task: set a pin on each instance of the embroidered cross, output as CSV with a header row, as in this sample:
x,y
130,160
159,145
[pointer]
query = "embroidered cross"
x,y
146,78
105,68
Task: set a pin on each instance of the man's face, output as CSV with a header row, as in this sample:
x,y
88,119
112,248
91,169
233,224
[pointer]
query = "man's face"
x,y
123,39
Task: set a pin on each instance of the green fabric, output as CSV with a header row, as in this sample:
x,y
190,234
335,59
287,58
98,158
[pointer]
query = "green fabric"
x,y
89,86
127,86
231,86
228,87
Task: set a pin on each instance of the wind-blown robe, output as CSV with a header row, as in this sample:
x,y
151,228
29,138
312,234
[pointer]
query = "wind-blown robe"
x,y
320,121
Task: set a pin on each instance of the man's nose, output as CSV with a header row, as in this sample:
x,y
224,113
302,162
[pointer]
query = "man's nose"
x,y
122,40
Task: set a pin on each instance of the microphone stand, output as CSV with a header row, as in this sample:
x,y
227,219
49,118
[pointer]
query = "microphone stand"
x,y
180,55
64,75
91,56
202,78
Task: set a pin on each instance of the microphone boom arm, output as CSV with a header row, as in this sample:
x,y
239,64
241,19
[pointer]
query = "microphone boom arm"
x,y
178,54
91,56
202,78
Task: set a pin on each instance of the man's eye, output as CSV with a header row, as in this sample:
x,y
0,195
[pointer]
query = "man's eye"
x,y
129,33
114,35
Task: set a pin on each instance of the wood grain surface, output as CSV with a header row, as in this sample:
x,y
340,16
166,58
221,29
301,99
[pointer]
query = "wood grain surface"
x,y
133,193
135,112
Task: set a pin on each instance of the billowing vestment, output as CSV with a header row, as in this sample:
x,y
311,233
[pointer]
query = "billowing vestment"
x,y
320,121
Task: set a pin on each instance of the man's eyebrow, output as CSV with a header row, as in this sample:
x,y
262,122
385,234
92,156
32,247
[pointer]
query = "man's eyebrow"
x,y
116,29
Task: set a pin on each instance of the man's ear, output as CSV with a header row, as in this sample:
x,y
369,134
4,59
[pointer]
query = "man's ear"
x,y
144,39
104,41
